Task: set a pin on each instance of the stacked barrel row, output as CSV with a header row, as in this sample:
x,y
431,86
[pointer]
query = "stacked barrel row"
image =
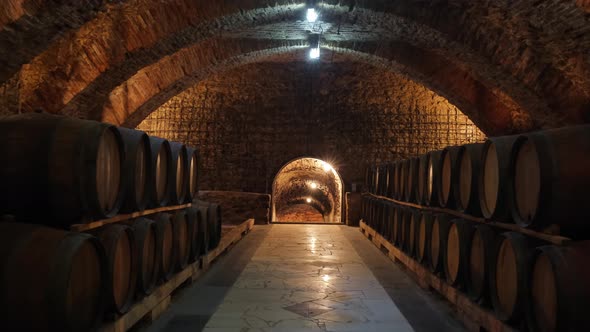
x,y
534,180
58,171
524,280
63,170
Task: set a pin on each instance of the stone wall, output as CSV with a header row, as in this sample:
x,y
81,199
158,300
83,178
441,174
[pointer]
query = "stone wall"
x,y
249,122
237,207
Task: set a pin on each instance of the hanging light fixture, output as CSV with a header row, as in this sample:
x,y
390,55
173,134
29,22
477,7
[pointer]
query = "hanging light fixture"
x,y
312,15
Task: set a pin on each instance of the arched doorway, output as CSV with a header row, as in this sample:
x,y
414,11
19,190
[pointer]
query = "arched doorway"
x,y
307,190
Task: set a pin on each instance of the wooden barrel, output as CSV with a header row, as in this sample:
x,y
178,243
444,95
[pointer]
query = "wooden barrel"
x,y
390,180
466,188
180,173
424,231
165,246
162,181
414,219
551,179
448,176
422,179
216,223
204,209
397,225
559,289
50,280
378,180
457,252
183,231
411,179
438,241
508,281
405,220
404,176
119,243
146,242
197,235
382,180
192,190
137,170
390,234
397,180
432,178
481,258
374,176
493,178
59,170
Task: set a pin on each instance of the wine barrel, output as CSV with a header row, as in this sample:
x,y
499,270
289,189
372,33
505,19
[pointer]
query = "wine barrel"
x,y
438,241
59,170
397,225
192,190
183,231
448,176
493,178
50,280
550,179
204,209
161,184
180,174
137,170
146,241
422,179
165,246
119,244
424,231
457,252
390,180
466,188
397,180
405,220
405,170
508,280
197,235
411,180
481,258
390,233
414,219
432,178
559,289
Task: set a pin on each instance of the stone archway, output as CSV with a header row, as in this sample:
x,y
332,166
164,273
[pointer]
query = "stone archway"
x,y
307,188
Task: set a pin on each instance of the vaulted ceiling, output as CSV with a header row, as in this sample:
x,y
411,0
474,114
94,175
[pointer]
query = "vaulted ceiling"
x,y
511,66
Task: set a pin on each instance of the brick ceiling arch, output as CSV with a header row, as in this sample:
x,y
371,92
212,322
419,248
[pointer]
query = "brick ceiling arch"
x,y
533,54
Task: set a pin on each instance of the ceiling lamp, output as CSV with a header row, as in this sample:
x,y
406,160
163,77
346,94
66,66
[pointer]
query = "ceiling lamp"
x,y
308,200
314,53
312,15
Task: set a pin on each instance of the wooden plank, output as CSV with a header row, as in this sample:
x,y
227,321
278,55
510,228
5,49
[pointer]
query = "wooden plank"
x,y
550,234
156,303
474,316
123,217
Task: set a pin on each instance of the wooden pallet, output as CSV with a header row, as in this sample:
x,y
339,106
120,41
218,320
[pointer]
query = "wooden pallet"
x,y
152,306
473,316
122,217
549,234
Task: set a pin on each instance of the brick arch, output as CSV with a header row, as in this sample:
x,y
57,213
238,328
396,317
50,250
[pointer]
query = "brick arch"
x,y
546,68
131,103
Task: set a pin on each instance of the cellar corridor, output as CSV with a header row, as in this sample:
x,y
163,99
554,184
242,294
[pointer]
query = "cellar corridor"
x,y
305,278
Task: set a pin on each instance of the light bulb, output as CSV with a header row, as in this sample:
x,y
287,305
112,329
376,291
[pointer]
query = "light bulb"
x,y
314,53
312,15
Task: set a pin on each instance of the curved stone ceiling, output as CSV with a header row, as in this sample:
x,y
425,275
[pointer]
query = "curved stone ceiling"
x,y
532,55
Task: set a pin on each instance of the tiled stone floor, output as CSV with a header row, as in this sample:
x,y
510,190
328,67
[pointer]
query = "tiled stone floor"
x,y
303,278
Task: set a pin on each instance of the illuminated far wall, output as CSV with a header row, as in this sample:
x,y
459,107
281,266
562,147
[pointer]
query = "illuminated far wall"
x,y
250,122
308,181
